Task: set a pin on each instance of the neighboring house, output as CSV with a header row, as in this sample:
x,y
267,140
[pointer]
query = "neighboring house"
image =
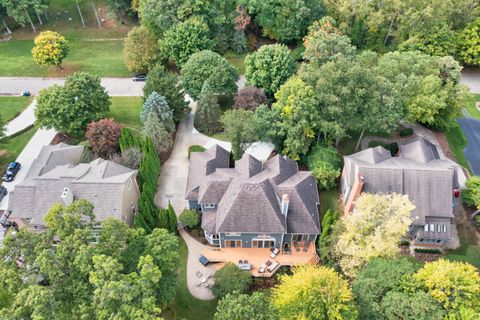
x,y
430,180
255,204
56,176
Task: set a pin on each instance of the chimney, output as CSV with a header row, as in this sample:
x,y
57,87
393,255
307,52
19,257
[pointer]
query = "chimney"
x,y
285,202
67,196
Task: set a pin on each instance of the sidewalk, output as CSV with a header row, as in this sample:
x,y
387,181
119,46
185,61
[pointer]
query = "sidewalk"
x,y
22,121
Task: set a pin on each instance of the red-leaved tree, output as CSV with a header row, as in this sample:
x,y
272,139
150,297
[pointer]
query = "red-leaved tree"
x,y
250,98
103,136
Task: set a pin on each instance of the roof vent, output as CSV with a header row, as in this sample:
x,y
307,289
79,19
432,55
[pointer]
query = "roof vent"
x,y
285,202
67,196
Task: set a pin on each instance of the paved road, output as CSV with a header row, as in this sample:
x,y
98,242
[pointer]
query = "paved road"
x,y
471,129
471,78
41,138
114,86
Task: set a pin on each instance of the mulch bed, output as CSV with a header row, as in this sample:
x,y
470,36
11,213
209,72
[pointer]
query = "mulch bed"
x,y
61,137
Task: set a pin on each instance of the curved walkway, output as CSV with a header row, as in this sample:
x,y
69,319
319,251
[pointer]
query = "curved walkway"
x,y
172,184
22,121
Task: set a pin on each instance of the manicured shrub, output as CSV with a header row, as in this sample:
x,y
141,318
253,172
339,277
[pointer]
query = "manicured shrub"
x,y
229,279
250,98
103,136
422,250
190,218
207,117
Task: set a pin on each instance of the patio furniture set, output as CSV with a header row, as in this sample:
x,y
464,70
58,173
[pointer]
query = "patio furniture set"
x,y
204,279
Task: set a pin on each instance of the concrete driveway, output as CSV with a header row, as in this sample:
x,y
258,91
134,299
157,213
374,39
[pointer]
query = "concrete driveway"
x,y
114,86
22,121
471,129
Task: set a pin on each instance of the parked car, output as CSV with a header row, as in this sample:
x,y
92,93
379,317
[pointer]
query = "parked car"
x,y
25,94
140,77
3,192
11,172
4,218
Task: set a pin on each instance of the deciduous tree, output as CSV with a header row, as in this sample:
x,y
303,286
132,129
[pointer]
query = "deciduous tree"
x,y
286,20
239,128
244,307
372,230
269,67
140,51
190,218
313,293
50,48
324,162
250,98
184,39
231,279
103,136
69,108
469,43
209,67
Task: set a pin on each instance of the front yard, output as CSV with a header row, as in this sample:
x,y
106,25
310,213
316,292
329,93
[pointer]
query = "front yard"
x,y
10,148
126,110
10,107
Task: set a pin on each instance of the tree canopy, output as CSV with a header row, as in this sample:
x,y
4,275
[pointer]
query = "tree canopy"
x,y
269,67
69,108
59,274
239,128
231,279
313,293
140,50
184,39
235,306
103,136
50,48
208,67
381,220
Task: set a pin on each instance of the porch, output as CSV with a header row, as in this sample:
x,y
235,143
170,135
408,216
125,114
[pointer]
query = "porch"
x,y
258,257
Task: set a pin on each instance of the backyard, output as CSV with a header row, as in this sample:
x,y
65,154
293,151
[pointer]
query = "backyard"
x,y
185,306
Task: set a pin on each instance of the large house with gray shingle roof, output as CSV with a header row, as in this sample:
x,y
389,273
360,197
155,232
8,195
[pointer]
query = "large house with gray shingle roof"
x,y
254,204
57,176
420,171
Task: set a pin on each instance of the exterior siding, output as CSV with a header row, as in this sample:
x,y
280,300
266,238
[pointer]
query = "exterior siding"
x,y
247,238
130,196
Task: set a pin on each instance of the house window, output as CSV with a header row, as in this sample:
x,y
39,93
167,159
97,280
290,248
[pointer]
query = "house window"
x,y
425,228
300,237
233,243
215,237
209,205
444,228
129,184
232,234
263,243
432,227
438,227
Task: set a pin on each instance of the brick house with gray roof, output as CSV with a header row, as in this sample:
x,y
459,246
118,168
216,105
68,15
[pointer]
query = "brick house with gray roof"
x,y
254,204
420,171
57,176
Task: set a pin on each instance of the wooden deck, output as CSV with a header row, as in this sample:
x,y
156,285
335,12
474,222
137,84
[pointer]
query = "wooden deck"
x,y
257,257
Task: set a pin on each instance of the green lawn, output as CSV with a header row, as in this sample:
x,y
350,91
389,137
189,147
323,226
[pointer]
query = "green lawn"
x,y
94,50
472,110
185,305
457,143
10,107
126,110
329,199
469,250
10,148
237,60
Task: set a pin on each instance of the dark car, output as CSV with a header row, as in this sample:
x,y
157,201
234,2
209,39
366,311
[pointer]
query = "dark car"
x,y
11,172
140,77
3,192
25,93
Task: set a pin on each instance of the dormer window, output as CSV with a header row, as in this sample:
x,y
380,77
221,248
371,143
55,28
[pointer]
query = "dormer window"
x,y
209,205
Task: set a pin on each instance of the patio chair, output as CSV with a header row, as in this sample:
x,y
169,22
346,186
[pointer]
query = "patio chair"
x,y
198,283
274,266
262,268
268,263
274,253
206,285
199,274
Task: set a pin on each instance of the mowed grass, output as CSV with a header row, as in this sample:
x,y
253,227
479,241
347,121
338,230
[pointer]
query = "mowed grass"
x,y
94,50
471,108
329,199
238,60
10,107
10,148
126,110
185,306
101,57
457,143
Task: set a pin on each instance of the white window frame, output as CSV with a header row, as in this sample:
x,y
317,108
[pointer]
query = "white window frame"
x,y
432,227
444,228
209,205
425,228
129,184
233,234
236,241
